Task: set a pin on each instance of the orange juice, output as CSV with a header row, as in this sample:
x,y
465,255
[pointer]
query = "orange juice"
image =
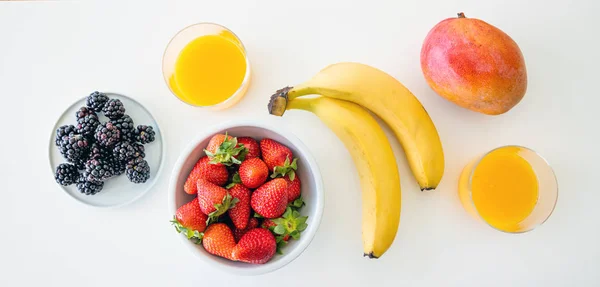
x,y
209,70
503,188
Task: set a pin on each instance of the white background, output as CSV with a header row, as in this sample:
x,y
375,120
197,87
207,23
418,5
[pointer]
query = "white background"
x,y
54,53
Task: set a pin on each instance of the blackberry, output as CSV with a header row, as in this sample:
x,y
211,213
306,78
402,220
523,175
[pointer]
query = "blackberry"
x,y
96,101
87,121
74,147
89,187
139,150
113,109
124,151
66,174
63,131
107,134
138,170
98,169
117,167
145,134
126,127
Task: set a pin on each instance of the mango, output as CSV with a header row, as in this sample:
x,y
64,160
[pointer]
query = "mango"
x,y
474,64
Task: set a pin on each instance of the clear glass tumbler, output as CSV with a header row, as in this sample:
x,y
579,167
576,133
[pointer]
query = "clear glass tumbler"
x,y
547,190
185,36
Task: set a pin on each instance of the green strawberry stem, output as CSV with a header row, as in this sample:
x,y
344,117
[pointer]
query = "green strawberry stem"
x,y
288,169
227,203
289,224
228,153
193,235
235,180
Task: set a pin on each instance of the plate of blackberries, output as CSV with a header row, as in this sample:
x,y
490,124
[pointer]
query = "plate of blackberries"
x,y
106,150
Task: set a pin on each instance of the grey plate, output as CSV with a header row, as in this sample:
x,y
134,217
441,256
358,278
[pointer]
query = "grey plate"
x,y
117,191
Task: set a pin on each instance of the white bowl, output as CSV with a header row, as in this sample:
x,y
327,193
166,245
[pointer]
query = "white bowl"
x,y
312,192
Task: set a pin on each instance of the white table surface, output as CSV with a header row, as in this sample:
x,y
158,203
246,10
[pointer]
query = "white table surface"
x,y
54,53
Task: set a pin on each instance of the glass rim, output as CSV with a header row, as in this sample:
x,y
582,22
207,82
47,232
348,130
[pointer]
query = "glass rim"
x,y
240,89
475,206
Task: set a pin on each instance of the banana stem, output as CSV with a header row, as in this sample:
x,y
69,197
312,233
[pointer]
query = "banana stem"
x,y
300,104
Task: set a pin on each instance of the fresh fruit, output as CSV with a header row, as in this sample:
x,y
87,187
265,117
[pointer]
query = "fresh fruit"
x,y
388,99
215,173
102,150
373,157
126,128
290,224
66,174
145,134
96,101
107,134
214,200
293,190
87,121
238,233
474,65
227,152
138,170
124,151
218,240
216,141
240,213
113,109
274,153
257,246
73,147
251,145
253,172
190,220
63,132
270,199
98,169
89,187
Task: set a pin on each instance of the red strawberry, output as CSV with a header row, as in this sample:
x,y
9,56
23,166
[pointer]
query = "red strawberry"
x,y
268,224
257,246
238,233
252,146
293,190
253,172
218,240
225,149
274,154
190,220
240,213
215,142
270,200
214,200
215,173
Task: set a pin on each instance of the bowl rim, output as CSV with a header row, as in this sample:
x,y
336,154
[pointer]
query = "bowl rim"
x,y
308,235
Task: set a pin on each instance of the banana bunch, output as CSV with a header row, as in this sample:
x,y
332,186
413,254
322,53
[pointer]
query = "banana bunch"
x,y
348,91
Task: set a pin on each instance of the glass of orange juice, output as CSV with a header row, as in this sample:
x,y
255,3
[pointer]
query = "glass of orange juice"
x,y
511,188
206,65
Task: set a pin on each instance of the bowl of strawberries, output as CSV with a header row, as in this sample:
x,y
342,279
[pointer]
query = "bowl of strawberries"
x,y
246,197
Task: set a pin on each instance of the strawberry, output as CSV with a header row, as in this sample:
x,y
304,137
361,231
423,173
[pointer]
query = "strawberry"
x,y
216,141
270,199
214,200
290,224
252,146
257,246
253,172
225,149
190,220
293,190
240,213
238,233
274,154
218,240
215,173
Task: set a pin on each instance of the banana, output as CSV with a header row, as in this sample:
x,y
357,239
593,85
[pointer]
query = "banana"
x,y
373,158
390,100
